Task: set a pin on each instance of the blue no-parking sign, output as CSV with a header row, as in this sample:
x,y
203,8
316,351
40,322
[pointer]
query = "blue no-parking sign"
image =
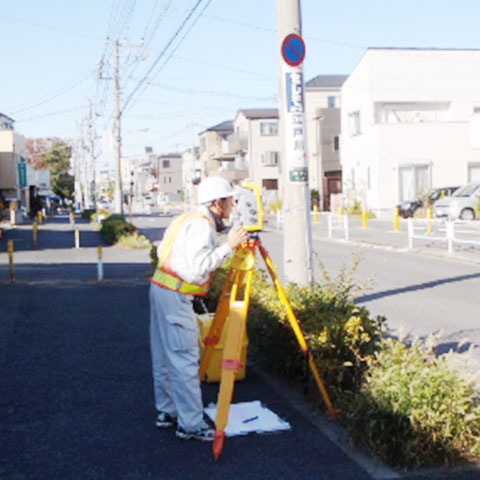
x,y
293,49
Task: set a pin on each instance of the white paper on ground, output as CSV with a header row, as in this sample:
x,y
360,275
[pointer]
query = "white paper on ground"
x,y
260,419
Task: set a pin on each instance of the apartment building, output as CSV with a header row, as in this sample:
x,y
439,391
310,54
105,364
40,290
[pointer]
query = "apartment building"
x,y
322,111
410,121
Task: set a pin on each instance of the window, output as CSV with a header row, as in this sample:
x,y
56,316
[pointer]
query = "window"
x,y
354,126
331,102
269,128
336,143
474,172
166,164
411,112
270,184
270,158
414,180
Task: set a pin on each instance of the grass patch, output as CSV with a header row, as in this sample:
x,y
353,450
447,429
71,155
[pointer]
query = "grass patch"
x,y
133,241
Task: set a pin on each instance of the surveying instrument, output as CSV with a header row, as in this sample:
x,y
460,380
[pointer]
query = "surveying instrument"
x,y
234,303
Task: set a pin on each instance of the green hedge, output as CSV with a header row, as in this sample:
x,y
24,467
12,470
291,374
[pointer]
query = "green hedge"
x,y
114,227
409,407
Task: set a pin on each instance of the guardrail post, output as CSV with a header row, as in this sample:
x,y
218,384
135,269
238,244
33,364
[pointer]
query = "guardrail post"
x,y
410,233
345,223
35,234
329,223
11,266
100,264
12,215
72,220
450,235
77,238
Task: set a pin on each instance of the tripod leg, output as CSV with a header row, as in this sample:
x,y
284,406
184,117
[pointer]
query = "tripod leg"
x,y
292,319
231,363
218,323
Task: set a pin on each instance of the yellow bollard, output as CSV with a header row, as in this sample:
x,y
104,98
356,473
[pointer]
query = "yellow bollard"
x,y
315,213
40,217
429,216
35,234
364,217
396,219
10,261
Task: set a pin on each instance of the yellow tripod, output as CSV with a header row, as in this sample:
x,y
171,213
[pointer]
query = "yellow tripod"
x,y
233,305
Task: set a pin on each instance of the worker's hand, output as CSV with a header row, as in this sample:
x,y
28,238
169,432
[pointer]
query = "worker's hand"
x,y
236,236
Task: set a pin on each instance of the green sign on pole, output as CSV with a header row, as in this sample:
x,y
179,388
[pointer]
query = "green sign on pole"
x,y
22,174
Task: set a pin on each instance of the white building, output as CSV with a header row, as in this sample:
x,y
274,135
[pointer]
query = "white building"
x,y
410,121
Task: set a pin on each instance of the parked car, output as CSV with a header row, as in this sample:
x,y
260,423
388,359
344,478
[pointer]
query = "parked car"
x,y
407,209
462,204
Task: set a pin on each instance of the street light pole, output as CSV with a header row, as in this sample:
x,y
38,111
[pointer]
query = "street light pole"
x,y
297,241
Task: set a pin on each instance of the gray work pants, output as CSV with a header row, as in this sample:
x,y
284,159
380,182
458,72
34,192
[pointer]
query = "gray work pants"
x,y
175,356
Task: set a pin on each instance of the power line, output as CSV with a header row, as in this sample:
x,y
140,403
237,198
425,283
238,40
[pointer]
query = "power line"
x,y
51,27
35,103
162,53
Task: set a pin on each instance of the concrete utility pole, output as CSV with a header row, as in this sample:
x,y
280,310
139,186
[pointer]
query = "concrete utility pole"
x,y
118,194
297,236
91,126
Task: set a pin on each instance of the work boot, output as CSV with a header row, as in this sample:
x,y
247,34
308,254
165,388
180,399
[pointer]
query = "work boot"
x,y
165,420
204,433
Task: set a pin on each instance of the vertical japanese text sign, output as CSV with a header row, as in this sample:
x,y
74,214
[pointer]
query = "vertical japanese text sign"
x,y
293,53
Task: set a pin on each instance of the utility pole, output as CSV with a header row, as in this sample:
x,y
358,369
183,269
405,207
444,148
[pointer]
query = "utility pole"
x,y
77,174
118,194
91,127
297,236
83,159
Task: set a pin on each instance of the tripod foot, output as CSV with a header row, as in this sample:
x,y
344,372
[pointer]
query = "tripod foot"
x,y
218,443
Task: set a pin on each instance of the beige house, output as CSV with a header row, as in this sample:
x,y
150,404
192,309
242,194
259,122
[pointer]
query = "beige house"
x,y
221,154
322,111
256,145
169,172
13,151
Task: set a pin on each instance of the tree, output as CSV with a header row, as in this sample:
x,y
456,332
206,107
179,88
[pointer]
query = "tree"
x,y
57,161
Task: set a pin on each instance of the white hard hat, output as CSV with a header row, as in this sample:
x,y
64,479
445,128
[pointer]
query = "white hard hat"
x,y
212,188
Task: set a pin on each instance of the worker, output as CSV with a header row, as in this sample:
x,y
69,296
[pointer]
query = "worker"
x,y
187,257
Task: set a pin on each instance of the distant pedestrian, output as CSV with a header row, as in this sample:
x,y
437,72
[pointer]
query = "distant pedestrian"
x,y
188,256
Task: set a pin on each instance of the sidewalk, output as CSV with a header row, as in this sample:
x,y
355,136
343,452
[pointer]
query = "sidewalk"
x,y
77,399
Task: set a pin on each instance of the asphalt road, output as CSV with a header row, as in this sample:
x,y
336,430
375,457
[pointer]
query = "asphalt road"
x,y
420,292
76,398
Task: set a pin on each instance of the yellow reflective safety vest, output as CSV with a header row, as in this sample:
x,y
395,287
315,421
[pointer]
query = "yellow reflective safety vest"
x,y
164,276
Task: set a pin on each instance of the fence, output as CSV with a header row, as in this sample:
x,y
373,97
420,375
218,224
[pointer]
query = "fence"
x,y
442,231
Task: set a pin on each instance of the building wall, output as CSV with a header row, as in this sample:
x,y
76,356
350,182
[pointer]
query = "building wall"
x,y
169,177
416,107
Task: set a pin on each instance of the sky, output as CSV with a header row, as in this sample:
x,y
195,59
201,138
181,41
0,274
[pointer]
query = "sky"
x,y
200,60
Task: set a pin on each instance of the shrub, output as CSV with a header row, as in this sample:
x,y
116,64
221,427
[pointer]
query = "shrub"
x,y
341,335
99,216
133,241
87,213
414,409
114,227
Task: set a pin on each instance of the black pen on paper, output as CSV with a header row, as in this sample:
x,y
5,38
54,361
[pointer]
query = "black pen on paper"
x,y
250,419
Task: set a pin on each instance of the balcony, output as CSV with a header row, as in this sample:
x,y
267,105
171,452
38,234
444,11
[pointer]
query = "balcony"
x,y
238,142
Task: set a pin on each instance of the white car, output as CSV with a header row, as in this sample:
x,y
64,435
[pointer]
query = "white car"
x,y
461,205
